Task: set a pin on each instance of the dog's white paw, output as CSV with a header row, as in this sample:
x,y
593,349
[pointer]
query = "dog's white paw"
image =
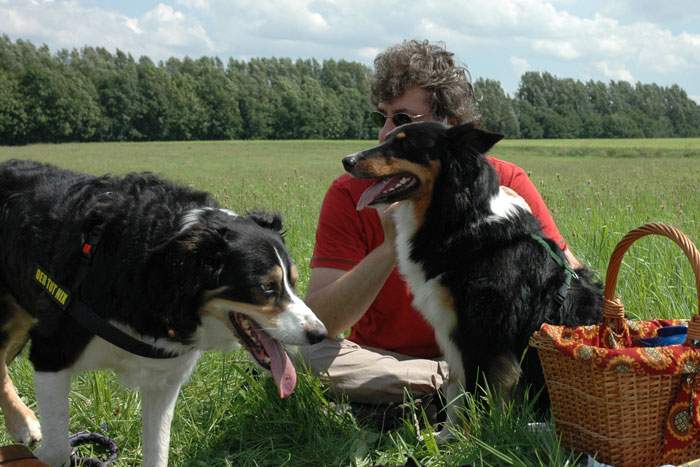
x,y
24,428
444,436
55,457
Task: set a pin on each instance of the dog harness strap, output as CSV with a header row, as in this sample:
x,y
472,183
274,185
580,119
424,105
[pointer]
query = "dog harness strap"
x,y
569,273
99,326
558,259
95,323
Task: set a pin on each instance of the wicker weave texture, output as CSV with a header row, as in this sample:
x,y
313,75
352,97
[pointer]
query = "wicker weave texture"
x,y
618,417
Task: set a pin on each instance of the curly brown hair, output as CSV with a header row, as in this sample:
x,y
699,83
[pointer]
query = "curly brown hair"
x,y
430,66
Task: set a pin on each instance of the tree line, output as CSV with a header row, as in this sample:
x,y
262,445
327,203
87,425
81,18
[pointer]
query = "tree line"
x,y
545,106
92,94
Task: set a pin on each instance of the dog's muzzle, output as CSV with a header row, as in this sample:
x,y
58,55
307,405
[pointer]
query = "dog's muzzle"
x,y
349,162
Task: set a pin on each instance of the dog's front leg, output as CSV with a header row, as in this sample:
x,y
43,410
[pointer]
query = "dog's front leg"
x,y
52,390
455,401
157,405
20,421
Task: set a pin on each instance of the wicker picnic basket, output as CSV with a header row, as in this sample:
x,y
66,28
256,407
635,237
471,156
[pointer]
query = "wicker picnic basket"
x,y
620,413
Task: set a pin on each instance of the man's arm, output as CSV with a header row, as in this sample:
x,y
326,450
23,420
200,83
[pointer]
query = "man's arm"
x,y
573,261
339,298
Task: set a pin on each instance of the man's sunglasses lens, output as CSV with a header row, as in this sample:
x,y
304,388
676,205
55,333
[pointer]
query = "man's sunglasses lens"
x,y
378,118
399,119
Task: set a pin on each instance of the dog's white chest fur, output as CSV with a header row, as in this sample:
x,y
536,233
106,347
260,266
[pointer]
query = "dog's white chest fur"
x,y
431,298
428,295
134,371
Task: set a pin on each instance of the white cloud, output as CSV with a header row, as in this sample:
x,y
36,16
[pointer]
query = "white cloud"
x,y
614,43
133,25
520,65
564,50
676,11
194,4
549,30
172,29
159,33
615,72
368,52
696,99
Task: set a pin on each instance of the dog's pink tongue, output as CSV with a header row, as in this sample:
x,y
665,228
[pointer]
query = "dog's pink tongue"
x,y
281,366
371,193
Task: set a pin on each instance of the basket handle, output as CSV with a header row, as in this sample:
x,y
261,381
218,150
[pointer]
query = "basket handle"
x,y
613,310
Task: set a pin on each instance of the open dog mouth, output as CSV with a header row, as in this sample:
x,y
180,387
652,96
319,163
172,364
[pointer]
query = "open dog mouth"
x,y
266,351
389,189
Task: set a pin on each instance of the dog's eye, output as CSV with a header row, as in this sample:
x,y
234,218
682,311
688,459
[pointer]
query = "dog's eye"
x,y
269,290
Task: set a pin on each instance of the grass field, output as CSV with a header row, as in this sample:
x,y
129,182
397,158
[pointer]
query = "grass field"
x,y
597,191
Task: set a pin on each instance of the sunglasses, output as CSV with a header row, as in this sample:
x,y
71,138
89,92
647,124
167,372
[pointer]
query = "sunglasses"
x,y
400,118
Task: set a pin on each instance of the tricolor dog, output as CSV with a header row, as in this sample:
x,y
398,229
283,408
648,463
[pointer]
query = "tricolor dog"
x,y
159,265
474,257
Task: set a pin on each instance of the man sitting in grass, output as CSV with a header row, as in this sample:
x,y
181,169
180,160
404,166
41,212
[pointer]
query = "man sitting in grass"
x,y
354,281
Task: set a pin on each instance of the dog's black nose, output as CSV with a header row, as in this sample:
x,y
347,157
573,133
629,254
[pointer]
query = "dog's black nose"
x,y
349,162
314,336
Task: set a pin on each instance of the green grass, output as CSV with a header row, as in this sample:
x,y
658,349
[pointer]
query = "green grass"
x,y
597,191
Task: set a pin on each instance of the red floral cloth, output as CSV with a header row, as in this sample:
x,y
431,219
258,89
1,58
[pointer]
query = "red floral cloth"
x,y
610,350
683,421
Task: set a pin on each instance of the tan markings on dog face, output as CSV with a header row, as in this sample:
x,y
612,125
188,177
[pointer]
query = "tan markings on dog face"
x,y
423,196
377,166
400,135
294,275
275,275
220,308
265,308
274,280
209,294
380,166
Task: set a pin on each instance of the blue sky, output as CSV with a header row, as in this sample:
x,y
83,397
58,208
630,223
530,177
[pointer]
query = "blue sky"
x,y
632,40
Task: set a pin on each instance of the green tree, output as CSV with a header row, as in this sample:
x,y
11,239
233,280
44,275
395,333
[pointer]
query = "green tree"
x,y
13,118
218,96
496,107
186,115
58,105
154,93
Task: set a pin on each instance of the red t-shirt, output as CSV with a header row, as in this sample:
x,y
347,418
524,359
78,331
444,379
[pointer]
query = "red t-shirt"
x,y
345,236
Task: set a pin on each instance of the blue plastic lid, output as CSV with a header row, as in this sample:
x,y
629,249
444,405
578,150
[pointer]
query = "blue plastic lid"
x,y
667,335
671,330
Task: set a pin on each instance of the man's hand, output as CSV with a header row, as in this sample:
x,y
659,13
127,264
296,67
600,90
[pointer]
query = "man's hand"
x,y
386,216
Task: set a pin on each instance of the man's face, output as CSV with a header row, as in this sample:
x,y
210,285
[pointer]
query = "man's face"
x,y
414,101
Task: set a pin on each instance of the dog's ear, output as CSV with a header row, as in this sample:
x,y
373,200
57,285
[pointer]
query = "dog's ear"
x,y
469,135
177,274
184,265
267,220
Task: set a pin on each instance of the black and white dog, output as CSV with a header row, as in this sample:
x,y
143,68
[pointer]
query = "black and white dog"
x,y
474,257
172,270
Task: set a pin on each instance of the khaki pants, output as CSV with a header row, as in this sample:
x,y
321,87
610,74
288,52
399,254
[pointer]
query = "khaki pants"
x,y
371,375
